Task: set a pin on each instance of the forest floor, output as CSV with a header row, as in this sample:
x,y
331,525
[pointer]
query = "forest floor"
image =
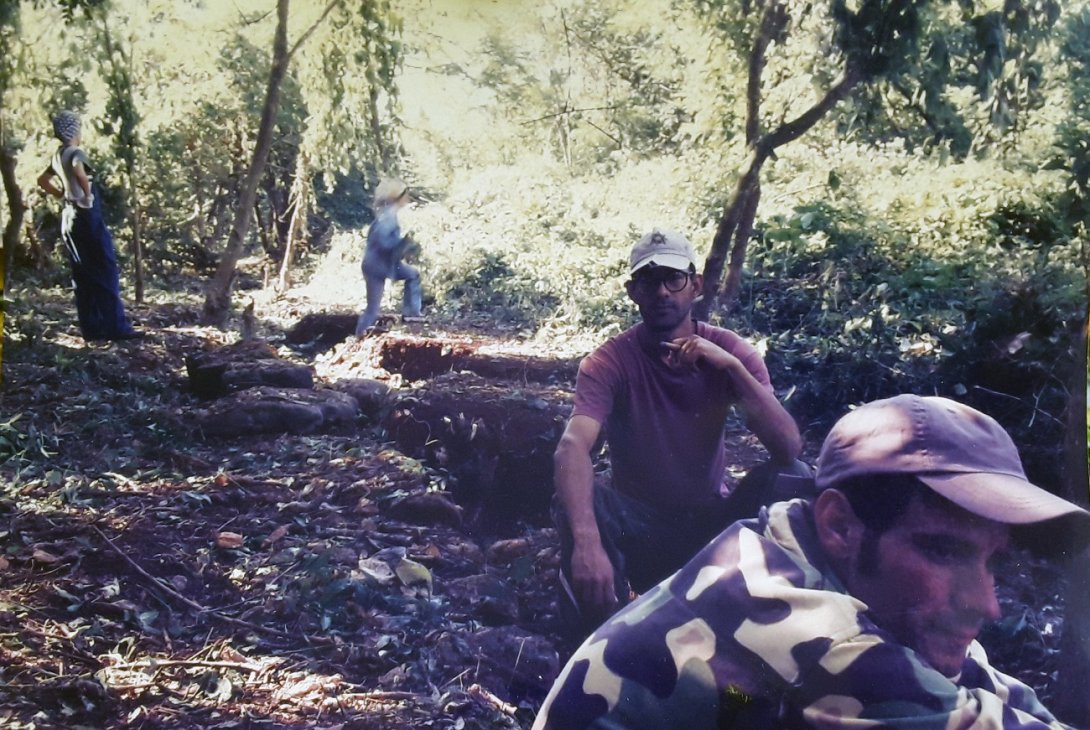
x,y
152,577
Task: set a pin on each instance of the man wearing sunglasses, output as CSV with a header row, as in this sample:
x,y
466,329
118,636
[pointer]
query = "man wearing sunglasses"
x,y
661,391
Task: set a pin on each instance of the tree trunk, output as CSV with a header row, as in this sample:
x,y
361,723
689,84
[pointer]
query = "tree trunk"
x,y
376,130
736,224
263,227
301,199
1072,701
16,209
742,208
217,301
743,202
741,243
136,247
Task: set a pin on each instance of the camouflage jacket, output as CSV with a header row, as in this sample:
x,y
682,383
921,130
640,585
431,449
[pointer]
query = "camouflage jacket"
x,y
756,632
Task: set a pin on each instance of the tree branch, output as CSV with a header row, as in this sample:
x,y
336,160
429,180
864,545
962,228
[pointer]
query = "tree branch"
x,y
772,22
570,111
792,130
311,29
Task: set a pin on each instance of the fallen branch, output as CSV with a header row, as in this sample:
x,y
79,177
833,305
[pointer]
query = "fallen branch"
x,y
386,695
160,663
479,692
161,585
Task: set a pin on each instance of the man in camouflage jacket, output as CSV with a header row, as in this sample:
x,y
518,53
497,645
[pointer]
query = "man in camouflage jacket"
x,y
857,608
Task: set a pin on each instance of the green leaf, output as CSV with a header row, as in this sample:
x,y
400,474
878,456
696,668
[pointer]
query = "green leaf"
x,y
833,180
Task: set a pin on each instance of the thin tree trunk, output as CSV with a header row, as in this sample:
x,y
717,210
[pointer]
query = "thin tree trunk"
x,y
217,301
301,200
135,214
736,224
263,227
376,129
16,209
118,67
742,209
741,243
729,225
137,245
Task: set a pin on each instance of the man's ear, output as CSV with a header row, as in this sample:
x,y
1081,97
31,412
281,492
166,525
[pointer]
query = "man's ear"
x,y
839,530
697,281
630,287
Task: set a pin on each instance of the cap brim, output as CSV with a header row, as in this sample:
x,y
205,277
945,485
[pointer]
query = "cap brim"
x,y
1011,500
669,260
1001,497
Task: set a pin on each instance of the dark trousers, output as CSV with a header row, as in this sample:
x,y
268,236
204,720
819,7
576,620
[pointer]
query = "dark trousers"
x,y
646,545
99,309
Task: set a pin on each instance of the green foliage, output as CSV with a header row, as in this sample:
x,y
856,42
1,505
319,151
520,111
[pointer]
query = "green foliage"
x,y
979,75
9,34
351,89
978,302
16,443
121,119
529,290
1073,134
877,35
597,86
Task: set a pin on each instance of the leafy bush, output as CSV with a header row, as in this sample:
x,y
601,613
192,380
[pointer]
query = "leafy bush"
x,y
979,304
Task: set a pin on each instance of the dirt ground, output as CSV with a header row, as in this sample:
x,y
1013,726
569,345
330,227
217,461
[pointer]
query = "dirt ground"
x,y
153,577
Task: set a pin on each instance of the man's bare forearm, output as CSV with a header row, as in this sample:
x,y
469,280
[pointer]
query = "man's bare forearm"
x,y
574,481
765,416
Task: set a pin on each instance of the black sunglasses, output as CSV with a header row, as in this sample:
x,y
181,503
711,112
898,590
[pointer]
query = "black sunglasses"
x,y
673,279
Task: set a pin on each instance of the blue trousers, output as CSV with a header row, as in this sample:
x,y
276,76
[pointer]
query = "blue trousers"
x,y
93,264
376,285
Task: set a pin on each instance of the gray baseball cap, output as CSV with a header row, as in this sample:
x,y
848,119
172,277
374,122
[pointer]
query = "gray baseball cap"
x,y
957,451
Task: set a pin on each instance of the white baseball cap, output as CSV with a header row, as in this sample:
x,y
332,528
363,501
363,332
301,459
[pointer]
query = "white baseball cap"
x,y
662,247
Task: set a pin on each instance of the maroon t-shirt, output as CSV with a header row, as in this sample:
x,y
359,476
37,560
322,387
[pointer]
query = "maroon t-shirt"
x,y
664,424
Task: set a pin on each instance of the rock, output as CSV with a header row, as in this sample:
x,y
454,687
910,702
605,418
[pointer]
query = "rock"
x,y
243,365
277,410
268,372
505,552
372,395
427,508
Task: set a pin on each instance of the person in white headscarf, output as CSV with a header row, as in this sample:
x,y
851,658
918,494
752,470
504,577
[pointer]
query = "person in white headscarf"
x,y
91,256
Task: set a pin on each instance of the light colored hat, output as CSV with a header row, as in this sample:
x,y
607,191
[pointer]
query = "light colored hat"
x,y
66,125
955,450
662,247
389,190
